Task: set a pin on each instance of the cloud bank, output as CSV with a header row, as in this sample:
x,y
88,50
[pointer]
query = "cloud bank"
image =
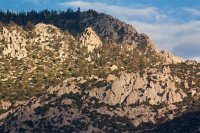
x,y
173,30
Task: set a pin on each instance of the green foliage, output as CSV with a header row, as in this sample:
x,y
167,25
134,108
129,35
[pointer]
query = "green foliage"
x,y
100,84
42,110
85,85
30,123
1,26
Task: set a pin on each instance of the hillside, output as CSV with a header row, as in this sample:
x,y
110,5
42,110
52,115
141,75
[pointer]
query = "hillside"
x,y
109,29
90,73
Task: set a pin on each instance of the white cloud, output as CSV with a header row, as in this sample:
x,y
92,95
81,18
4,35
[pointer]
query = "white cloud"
x,y
192,11
180,39
167,28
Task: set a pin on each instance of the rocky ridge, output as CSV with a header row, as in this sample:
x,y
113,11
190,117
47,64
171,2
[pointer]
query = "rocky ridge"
x,y
110,30
148,47
113,30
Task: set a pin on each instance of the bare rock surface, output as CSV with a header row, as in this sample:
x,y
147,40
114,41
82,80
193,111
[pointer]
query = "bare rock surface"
x,y
14,42
90,39
134,88
5,105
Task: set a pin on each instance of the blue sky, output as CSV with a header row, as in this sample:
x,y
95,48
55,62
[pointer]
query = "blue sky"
x,y
174,25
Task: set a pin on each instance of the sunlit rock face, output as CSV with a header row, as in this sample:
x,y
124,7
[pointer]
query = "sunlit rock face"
x,y
90,39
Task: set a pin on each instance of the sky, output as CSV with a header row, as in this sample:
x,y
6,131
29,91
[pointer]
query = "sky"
x,y
174,25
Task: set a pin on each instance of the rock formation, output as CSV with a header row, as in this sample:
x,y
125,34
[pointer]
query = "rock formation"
x,y
14,42
5,105
190,62
90,39
149,47
170,58
134,88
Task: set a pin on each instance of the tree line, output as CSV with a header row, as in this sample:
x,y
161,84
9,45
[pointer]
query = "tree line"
x,y
57,18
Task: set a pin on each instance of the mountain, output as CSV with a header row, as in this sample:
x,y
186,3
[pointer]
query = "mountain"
x,y
90,72
109,29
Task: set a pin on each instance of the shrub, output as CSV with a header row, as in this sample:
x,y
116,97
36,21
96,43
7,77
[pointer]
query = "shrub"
x,y
30,123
